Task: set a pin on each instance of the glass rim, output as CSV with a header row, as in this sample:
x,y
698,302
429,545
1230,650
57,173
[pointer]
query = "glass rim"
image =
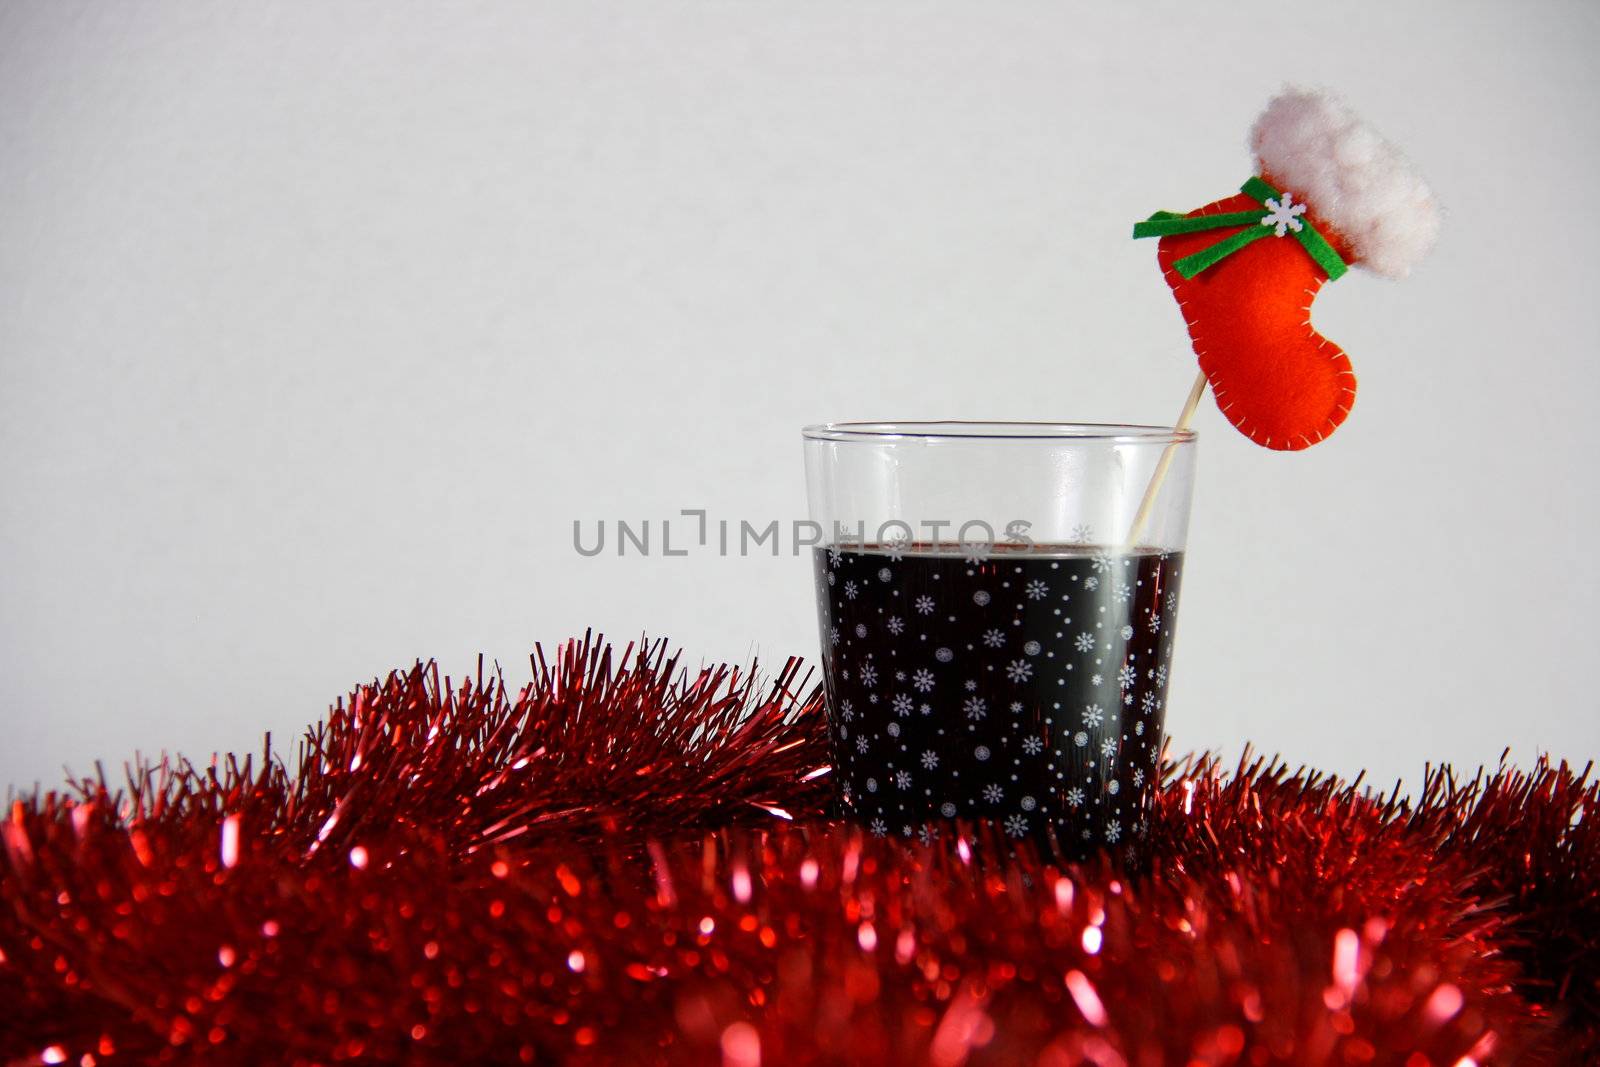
x,y
966,430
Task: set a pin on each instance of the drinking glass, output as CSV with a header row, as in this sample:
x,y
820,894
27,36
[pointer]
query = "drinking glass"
x,y
997,605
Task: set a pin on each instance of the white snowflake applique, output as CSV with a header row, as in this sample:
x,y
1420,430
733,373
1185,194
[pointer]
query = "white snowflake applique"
x,y
993,793
1082,534
1036,590
1084,642
1148,703
993,638
847,711
1093,716
1127,633
924,605
851,590
1113,831
930,759
928,834
1080,739
869,674
1101,562
878,827
833,557
902,705
1017,825
975,707
861,744
1108,747
922,680
1283,215
1075,797
902,779
833,635
1019,670
1127,675
1155,624
1138,777
1032,746
1091,583
896,625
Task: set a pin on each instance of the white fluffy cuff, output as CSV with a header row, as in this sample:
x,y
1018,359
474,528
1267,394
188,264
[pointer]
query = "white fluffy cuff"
x,y
1357,182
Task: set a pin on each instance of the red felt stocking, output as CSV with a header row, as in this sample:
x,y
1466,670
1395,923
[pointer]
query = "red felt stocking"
x,y
1280,382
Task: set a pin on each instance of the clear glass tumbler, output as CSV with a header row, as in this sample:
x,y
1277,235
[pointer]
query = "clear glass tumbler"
x,y
997,605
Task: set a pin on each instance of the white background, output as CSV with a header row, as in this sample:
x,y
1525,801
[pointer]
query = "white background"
x,y
320,323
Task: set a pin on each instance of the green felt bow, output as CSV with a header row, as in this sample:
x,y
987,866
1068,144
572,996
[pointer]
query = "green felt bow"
x,y
1280,220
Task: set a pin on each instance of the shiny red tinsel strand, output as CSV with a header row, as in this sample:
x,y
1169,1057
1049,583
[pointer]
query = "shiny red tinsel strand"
x,y
629,862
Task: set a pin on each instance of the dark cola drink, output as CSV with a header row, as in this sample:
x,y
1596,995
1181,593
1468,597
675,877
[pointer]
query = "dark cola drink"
x,y
1024,687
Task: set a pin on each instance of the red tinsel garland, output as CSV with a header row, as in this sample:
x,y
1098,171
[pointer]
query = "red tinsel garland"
x,y
627,862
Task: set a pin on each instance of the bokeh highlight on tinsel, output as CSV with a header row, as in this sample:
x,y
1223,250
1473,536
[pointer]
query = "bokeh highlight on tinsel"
x,y
627,861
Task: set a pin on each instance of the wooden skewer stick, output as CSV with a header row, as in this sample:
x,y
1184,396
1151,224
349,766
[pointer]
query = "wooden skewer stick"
x,y
1153,490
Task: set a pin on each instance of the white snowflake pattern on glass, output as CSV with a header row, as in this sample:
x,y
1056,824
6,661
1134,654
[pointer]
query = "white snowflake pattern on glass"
x,y
885,574
1138,777
1096,679
1091,583
1082,534
970,686
1138,728
1074,797
1127,699
878,827
1101,562
948,810
1161,675
1032,746
975,707
1122,591
922,681
981,598
902,705
993,638
833,557
902,779
1108,747
893,729
928,834
833,635
833,578
1028,803
1019,670
925,708
869,674
1016,707
1172,601
872,785
896,625
1127,676
1016,825
930,759
861,744
975,552
1084,642
1036,590
896,548
1031,648
861,629
981,753
1155,623
1093,716
1113,831
847,711
1126,632
851,590
1147,703
1080,739
993,793
1113,787
899,676
923,604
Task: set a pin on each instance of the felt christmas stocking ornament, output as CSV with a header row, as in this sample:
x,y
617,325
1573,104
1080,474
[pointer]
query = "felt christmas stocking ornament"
x,y
1245,270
